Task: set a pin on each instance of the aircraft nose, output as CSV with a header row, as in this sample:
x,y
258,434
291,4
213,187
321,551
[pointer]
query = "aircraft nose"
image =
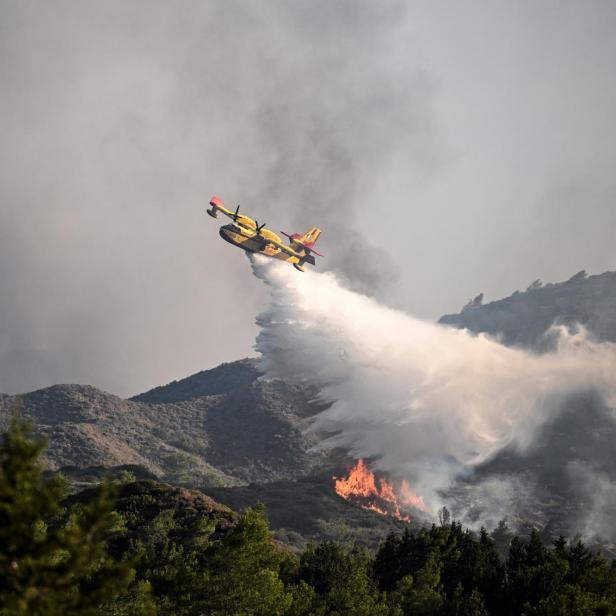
x,y
224,233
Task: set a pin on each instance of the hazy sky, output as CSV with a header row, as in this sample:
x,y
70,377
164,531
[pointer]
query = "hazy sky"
x,y
445,148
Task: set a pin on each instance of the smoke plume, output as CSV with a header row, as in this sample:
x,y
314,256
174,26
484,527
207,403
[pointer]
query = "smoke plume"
x,y
428,402
119,121
598,490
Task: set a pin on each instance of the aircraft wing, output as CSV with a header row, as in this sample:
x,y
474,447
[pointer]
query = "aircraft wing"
x,y
284,248
226,212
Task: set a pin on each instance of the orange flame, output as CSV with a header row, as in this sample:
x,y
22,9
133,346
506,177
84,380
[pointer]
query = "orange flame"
x,y
361,488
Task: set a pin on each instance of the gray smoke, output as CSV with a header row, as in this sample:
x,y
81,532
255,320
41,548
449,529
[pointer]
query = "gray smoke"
x,y
334,125
436,144
598,491
120,119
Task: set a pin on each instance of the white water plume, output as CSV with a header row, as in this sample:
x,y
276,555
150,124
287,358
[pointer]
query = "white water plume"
x,y
427,401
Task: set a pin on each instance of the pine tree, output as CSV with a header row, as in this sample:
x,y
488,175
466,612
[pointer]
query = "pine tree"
x,y
461,605
242,572
422,595
52,561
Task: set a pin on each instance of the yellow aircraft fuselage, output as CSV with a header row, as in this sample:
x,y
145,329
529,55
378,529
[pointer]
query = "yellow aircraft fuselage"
x,y
245,233
249,240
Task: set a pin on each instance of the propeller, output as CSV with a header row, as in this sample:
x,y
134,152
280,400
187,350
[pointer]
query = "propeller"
x,y
259,227
237,211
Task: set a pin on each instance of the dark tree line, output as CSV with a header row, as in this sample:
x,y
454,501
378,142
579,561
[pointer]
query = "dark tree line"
x,y
120,555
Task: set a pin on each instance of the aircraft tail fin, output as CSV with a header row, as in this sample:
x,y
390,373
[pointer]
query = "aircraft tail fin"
x,y
305,242
310,238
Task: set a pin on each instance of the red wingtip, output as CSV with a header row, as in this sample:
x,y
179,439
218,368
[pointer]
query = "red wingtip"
x,y
216,201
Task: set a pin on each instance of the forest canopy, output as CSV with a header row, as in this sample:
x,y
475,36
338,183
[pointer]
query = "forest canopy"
x,y
145,548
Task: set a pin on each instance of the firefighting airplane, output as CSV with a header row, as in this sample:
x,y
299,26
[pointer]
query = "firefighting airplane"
x,y
253,237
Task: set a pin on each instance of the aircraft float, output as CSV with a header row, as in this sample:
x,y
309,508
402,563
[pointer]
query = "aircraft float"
x,y
249,235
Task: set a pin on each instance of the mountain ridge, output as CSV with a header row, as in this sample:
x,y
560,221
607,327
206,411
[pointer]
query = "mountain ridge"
x,y
253,432
523,318
231,432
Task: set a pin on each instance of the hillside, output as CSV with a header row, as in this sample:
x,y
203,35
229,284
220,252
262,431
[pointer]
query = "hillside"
x,y
308,508
218,381
567,481
223,427
523,318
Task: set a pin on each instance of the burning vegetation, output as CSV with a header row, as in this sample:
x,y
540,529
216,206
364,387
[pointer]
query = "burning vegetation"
x,y
362,488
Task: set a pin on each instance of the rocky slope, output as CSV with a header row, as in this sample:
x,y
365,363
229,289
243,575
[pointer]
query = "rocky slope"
x,y
523,318
219,427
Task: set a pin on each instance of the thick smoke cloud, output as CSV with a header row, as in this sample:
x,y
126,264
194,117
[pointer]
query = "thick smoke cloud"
x,y
119,121
436,144
428,402
331,128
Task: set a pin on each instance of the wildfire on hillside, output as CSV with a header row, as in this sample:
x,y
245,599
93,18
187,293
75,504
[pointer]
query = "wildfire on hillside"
x,y
362,488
